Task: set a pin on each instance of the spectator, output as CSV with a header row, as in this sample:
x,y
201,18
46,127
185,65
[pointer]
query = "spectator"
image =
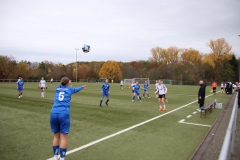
x,y
201,95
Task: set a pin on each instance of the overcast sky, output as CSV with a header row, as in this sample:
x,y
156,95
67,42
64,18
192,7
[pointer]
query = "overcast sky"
x,y
120,30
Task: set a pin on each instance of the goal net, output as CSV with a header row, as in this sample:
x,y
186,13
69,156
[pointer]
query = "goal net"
x,y
127,81
140,80
167,81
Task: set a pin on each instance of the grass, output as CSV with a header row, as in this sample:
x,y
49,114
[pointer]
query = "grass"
x,y
25,130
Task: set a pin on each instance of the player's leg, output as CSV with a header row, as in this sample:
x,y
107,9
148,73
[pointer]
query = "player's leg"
x,y
55,127
107,99
159,102
139,96
19,93
143,94
133,95
164,105
148,94
64,130
41,92
100,104
55,145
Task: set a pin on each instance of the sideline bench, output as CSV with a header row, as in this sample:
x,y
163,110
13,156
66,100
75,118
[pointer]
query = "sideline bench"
x,y
206,108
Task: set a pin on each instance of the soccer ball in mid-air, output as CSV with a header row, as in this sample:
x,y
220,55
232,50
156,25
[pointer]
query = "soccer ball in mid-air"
x,y
86,48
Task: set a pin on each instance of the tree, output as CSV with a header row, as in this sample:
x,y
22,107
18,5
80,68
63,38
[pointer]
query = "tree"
x,y
221,53
23,69
158,55
7,66
110,70
191,64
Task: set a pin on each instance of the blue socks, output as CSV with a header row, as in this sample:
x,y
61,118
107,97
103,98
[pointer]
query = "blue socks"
x,y
55,150
63,152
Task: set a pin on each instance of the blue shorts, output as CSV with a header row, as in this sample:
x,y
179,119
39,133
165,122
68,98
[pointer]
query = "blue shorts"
x,y
145,90
60,123
132,91
105,94
137,93
20,88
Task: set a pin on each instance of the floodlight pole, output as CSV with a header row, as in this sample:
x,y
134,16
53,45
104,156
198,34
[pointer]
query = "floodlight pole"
x,y
76,63
238,68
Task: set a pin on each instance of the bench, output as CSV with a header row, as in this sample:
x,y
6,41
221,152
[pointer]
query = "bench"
x,y
207,108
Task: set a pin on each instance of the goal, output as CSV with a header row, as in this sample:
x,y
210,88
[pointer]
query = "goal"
x,y
140,80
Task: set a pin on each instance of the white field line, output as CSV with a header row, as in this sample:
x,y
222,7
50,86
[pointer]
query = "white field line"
x,y
194,112
189,116
204,125
127,129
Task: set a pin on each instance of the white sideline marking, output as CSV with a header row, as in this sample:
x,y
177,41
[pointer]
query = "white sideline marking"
x,y
194,112
127,129
189,116
182,121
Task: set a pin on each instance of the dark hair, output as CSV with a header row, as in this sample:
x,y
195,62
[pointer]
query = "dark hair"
x,y
64,81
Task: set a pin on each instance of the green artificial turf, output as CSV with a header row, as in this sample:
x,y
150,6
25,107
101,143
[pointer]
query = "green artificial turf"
x,y
25,130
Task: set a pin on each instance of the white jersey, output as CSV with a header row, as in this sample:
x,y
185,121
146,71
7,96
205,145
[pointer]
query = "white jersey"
x,y
133,86
51,79
161,89
42,83
121,83
156,86
222,85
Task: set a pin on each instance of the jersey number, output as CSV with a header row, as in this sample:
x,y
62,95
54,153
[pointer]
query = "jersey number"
x,y
61,96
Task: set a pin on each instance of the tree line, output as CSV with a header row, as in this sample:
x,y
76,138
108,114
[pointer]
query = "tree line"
x,y
185,64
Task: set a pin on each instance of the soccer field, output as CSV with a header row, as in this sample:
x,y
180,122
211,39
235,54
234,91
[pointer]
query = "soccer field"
x,y
25,130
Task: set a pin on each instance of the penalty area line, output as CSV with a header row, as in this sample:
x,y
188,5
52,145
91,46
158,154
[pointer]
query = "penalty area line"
x,y
196,124
127,129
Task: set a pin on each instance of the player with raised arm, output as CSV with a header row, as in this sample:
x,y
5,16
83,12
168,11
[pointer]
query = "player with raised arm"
x,y
105,89
60,117
132,86
20,87
145,90
42,86
137,92
161,90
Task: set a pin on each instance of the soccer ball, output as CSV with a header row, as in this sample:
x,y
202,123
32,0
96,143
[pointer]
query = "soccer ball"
x,y
86,48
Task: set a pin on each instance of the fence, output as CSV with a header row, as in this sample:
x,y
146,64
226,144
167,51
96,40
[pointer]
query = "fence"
x,y
228,143
174,82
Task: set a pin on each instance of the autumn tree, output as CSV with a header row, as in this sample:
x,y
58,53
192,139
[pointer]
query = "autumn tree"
x,y
111,70
158,55
221,53
7,66
23,69
191,64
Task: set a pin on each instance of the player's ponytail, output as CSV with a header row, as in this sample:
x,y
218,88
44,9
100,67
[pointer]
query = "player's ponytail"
x,y
64,81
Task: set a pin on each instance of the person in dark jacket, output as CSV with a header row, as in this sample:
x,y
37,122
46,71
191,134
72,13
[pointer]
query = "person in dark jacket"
x,y
201,94
238,90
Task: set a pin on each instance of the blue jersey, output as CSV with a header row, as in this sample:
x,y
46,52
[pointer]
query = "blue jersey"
x,y
105,87
62,99
136,89
146,86
20,85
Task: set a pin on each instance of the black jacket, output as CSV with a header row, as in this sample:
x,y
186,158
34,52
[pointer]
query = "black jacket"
x,y
201,92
